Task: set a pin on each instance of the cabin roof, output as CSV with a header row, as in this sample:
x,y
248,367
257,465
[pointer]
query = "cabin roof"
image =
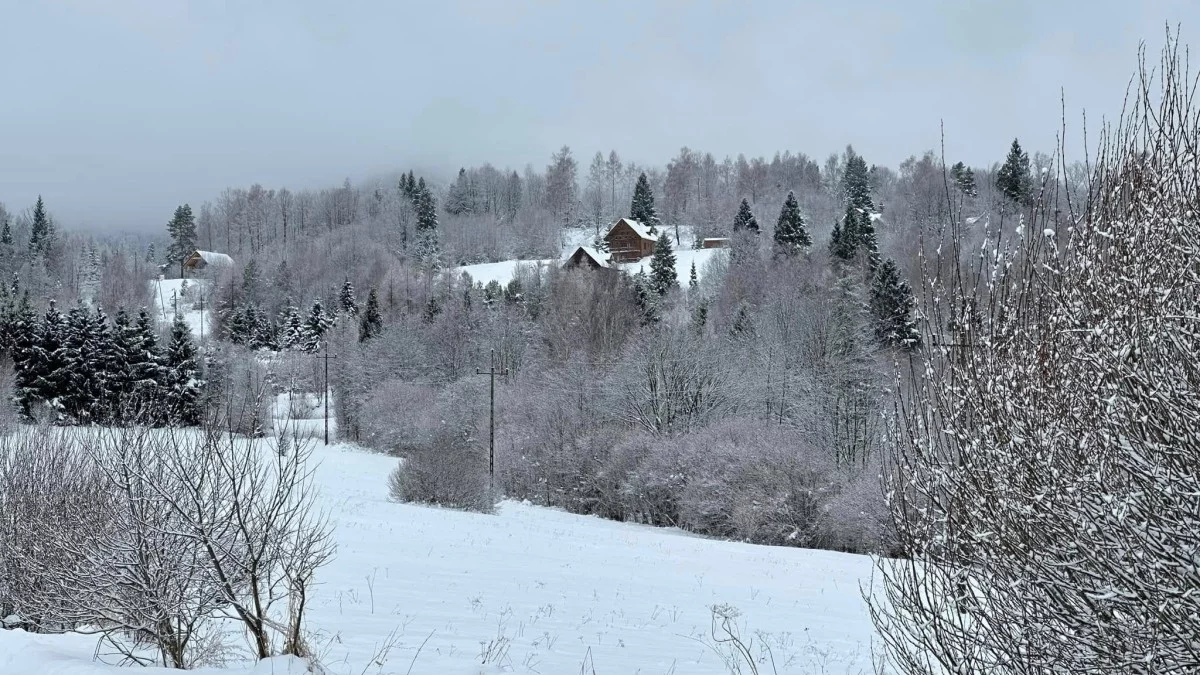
x,y
638,228
213,258
593,253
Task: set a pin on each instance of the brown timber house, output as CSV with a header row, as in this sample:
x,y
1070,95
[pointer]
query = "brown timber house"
x,y
629,240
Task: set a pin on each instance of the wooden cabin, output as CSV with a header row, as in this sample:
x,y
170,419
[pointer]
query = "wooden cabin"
x,y
586,257
201,260
715,242
629,240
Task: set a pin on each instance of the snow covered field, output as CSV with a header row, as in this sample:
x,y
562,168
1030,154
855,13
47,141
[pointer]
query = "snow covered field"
x,y
545,591
556,590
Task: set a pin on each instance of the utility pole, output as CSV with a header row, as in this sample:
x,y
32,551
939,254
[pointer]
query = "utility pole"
x,y
492,420
326,395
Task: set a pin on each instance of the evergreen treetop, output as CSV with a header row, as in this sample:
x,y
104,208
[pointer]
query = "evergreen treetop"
x,y
663,276
346,299
891,306
791,237
856,182
1014,179
642,208
371,324
41,232
744,219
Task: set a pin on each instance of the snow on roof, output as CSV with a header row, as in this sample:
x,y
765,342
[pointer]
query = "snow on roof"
x,y
217,259
638,228
594,254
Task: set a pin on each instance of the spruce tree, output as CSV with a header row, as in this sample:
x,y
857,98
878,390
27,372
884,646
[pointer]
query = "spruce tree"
x,y
791,237
855,235
181,377
663,276
856,182
646,299
81,367
291,328
348,303
693,280
6,234
48,361
121,379
41,233
371,324
316,326
146,369
182,229
891,306
744,220
641,208
24,338
964,179
1013,179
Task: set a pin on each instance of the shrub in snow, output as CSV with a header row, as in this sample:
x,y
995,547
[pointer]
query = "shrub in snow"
x,y
155,538
1044,472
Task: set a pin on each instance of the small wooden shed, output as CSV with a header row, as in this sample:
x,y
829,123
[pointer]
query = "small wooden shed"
x,y
715,242
629,240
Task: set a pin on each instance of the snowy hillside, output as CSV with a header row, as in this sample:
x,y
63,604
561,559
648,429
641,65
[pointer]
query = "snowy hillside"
x,y
557,590
543,590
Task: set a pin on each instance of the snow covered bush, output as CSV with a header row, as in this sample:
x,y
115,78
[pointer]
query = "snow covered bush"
x,y
152,538
1044,474
446,460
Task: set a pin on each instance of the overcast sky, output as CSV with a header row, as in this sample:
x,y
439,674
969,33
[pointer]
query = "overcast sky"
x,y
119,110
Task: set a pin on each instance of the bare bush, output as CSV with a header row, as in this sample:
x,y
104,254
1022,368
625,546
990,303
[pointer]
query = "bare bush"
x,y
1045,458
148,536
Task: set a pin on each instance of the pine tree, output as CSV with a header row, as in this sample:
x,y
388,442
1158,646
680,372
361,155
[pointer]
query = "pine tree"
x,y
855,234
348,303
663,276
24,337
891,306
121,380
181,377
744,220
48,361
1014,179
316,326
146,368
856,182
150,254
964,179
87,352
41,232
791,238
291,328
646,299
6,234
641,208
371,324
182,229
693,280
